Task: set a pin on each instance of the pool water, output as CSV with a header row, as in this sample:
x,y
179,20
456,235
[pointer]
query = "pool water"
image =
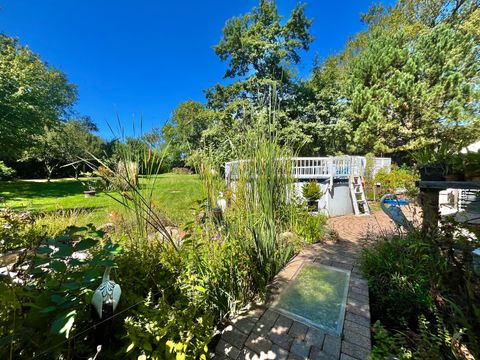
x,y
397,202
316,297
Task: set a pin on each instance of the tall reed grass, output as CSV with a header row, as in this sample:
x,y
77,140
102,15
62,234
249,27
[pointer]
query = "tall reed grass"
x,y
261,212
238,256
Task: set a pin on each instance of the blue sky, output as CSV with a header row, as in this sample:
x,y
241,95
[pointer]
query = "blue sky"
x,y
142,58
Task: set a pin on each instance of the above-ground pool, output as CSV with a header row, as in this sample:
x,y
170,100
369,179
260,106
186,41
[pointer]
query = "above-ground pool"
x,y
316,297
397,202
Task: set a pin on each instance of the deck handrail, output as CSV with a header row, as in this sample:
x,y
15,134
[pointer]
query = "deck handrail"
x,y
324,167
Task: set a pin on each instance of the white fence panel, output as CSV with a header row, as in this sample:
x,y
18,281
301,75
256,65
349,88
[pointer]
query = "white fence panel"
x,y
321,167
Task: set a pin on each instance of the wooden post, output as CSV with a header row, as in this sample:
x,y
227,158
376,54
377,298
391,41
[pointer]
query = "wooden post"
x,y
430,209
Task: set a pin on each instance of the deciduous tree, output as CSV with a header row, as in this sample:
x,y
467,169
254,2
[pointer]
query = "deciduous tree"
x,y
261,49
78,143
33,96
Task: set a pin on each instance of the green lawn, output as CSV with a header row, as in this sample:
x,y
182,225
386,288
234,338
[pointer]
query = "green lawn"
x,y
173,193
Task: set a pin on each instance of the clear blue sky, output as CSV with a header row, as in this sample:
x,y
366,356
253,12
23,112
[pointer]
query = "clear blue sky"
x,y
142,57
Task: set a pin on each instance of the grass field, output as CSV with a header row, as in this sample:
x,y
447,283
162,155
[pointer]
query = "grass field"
x,y
174,194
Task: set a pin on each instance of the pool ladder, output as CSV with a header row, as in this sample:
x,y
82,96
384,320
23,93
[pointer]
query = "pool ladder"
x,y
359,200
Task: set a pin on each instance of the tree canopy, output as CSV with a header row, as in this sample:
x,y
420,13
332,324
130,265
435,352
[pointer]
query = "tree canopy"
x,y
414,86
183,133
409,81
68,143
33,95
258,42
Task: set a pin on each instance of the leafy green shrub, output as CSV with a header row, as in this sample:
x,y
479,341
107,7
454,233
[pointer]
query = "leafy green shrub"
x,y
225,267
400,278
178,329
387,344
424,291
397,177
187,292
311,227
49,301
6,173
431,341
17,230
311,191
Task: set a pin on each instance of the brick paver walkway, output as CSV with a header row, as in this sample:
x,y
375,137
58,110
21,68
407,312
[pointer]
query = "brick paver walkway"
x,y
260,332
353,228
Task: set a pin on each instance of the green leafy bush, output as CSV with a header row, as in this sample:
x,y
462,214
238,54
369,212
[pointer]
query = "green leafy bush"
x,y
397,177
311,191
311,227
6,173
17,230
387,344
423,290
47,302
400,279
178,328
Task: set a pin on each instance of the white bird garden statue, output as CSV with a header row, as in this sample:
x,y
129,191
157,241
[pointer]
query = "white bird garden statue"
x,y
105,299
221,202
395,213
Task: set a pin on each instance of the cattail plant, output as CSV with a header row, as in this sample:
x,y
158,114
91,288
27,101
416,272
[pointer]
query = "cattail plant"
x,y
261,193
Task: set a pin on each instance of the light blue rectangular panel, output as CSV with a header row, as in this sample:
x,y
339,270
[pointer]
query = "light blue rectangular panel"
x,y
317,297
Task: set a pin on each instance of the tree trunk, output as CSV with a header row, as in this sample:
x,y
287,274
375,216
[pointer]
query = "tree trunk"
x,y
50,169
430,210
76,171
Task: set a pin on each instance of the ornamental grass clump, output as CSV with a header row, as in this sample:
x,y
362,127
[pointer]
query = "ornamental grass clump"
x,y
262,211
137,197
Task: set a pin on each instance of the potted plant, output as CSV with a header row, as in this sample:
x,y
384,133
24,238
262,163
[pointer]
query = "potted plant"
x,y
454,167
472,166
429,164
312,193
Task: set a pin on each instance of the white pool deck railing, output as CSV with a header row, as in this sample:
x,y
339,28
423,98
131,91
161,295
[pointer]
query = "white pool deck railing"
x,y
309,168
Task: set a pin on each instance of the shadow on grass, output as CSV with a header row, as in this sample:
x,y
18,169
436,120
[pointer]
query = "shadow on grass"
x,y
18,190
